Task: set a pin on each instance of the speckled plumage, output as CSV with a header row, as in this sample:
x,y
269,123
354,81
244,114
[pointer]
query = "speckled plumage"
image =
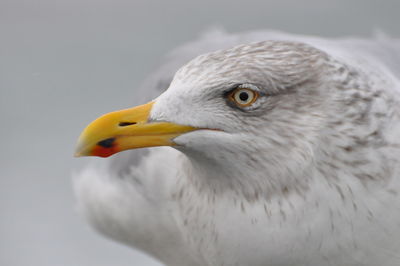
x,y
308,176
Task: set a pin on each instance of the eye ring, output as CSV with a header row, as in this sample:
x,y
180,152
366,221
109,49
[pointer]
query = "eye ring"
x,y
243,97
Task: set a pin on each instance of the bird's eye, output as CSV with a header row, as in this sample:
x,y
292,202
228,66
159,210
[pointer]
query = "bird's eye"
x,y
243,97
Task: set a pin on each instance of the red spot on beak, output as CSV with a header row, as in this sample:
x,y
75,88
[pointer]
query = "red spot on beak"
x,y
104,151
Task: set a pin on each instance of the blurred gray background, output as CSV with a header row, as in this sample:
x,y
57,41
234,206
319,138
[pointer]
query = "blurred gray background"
x,y
64,62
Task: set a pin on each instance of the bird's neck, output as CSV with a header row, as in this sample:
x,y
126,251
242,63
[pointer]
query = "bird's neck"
x,y
220,176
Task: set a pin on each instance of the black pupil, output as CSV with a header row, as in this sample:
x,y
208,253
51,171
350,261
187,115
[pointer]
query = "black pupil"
x,y
244,96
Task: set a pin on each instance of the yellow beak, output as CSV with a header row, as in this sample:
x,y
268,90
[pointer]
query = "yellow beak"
x,y
127,129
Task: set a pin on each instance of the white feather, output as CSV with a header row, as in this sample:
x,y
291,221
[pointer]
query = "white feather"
x,y
216,207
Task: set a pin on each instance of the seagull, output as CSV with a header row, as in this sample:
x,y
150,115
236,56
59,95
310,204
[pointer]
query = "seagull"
x,y
266,149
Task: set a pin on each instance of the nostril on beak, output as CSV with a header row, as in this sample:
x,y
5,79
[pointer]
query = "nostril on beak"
x,y
124,124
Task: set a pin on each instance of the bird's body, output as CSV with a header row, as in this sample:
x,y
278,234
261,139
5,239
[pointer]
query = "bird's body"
x,y
312,180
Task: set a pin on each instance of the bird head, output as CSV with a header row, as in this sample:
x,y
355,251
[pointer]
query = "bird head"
x,y
261,102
